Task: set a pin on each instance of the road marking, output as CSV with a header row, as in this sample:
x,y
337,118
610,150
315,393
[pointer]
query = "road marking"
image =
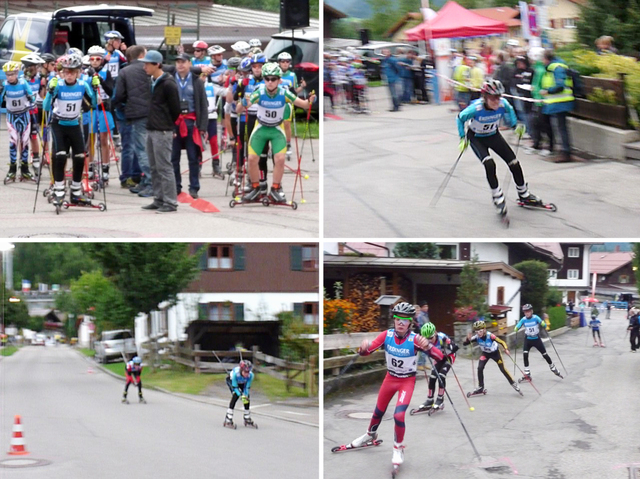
x,y
296,413
260,405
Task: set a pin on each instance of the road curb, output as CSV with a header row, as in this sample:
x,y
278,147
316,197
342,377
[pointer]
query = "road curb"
x,y
209,401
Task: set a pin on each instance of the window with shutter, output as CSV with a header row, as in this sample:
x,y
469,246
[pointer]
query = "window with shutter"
x,y
220,257
296,257
239,311
238,257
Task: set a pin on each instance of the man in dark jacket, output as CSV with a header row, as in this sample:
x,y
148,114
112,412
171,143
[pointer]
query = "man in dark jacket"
x,y
132,90
164,110
192,125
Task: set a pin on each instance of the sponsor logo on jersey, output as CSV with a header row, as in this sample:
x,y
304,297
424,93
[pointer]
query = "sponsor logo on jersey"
x,y
398,351
70,95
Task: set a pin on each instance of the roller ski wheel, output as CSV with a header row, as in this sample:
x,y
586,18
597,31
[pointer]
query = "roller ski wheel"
x,y
142,400
395,470
504,219
476,393
102,207
250,424
125,401
524,379
349,447
28,178
537,205
435,409
420,410
230,425
9,179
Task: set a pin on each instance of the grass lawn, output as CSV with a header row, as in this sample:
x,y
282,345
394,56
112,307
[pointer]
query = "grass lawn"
x,y
301,126
182,380
8,350
87,352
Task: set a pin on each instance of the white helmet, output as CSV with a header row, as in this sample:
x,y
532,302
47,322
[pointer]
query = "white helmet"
x,y
284,56
85,61
31,59
241,47
215,50
97,50
254,42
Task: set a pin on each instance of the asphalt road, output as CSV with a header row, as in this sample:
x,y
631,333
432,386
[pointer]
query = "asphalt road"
x,y
583,426
74,418
124,218
382,170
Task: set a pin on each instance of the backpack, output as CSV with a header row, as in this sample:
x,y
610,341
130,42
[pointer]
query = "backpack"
x,y
578,84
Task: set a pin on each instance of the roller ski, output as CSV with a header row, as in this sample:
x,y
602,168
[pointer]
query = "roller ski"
x,y
248,422
555,371
424,407
124,399
11,175
397,459
438,406
526,377
532,201
217,172
25,174
77,199
252,194
277,197
517,388
142,400
477,392
228,420
501,208
366,440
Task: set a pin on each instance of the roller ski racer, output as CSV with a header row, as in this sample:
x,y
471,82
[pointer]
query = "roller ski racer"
x,y
440,369
483,117
488,343
531,324
239,382
133,373
595,324
401,347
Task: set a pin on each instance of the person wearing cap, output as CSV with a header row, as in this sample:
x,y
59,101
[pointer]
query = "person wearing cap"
x,y
164,110
634,328
200,53
191,126
132,96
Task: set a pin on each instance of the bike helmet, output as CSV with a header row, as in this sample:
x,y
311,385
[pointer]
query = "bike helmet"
x,y
254,42
97,50
31,59
75,51
256,50
86,61
527,307
112,35
71,61
137,360
215,50
428,330
492,87
12,66
245,65
245,365
259,58
402,308
478,325
241,47
200,45
47,58
271,69
233,63
284,56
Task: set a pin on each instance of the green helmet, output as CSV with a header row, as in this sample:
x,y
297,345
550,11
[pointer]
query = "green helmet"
x,y
428,330
271,69
478,325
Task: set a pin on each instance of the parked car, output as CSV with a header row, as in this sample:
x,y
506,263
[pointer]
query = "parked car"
x,y
55,32
114,345
39,340
371,54
304,48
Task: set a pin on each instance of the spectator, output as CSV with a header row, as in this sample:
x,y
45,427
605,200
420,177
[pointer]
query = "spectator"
x,y
540,123
391,70
556,89
607,305
164,110
406,72
422,318
477,77
134,93
191,126
523,77
486,52
462,75
604,44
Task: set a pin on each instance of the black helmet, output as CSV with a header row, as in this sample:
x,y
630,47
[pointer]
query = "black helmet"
x,y
404,309
493,87
245,365
48,57
527,307
234,62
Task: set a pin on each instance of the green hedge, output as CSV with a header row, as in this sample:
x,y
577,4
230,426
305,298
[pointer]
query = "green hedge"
x,y
557,317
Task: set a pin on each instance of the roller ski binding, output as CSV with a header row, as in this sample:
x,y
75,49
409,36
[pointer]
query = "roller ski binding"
x,y
249,422
25,174
252,194
366,440
277,197
217,172
142,400
477,392
11,175
517,388
438,406
424,407
501,208
397,459
555,371
124,400
228,422
532,201
526,377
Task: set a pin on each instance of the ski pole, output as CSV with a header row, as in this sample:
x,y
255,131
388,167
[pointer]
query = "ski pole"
x,y
516,355
559,358
438,194
471,408
530,381
473,372
453,407
223,366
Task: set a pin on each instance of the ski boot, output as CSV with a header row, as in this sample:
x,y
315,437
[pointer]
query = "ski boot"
x,y
439,405
124,399
289,152
36,166
526,377
366,439
57,197
90,173
517,388
253,195
249,422
424,407
595,344
11,175
477,392
530,200
216,169
105,173
555,371
602,345
76,198
397,458
501,206
228,420
141,399
25,174
117,142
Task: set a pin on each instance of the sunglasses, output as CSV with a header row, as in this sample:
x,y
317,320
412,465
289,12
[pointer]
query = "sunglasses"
x,y
95,59
198,50
284,61
401,318
271,78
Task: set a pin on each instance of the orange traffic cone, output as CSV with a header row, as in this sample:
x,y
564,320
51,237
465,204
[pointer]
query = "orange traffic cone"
x,y
17,446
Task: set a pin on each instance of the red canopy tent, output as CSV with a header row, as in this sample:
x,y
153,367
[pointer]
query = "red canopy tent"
x,y
455,21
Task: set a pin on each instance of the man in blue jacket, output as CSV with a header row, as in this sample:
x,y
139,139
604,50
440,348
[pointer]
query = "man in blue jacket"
x,y
392,72
557,93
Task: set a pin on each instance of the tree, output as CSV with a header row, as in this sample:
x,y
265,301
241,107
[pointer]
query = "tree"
x,y
14,313
416,250
535,286
636,263
618,18
471,297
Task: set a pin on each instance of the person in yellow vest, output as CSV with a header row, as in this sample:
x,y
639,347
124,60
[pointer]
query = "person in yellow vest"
x,y
556,89
476,77
462,75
